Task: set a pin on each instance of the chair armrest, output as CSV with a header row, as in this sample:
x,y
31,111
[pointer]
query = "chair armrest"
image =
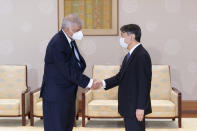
x,y
35,90
35,95
176,90
34,98
176,98
86,98
25,99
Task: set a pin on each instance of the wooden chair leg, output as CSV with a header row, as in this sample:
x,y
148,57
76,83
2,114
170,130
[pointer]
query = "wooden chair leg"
x,y
180,110
31,110
83,121
88,118
180,122
23,120
173,119
23,109
83,110
31,119
179,106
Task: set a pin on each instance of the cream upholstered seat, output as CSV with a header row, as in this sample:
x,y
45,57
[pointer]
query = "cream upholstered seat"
x,y
36,106
166,101
14,95
100,103
9,107
103,108
162,108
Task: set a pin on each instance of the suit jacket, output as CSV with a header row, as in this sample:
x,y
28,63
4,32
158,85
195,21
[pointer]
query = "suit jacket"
x,y
134,81
62,73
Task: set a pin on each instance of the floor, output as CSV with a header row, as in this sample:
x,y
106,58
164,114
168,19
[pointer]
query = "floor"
x,y
189,124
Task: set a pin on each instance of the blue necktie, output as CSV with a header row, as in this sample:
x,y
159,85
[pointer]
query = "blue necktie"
x,y
127,56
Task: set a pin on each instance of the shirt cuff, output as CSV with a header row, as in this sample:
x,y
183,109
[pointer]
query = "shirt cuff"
x,y
104,84
90,83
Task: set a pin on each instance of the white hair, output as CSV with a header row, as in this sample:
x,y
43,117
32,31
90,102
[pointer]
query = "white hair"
x,y
70,20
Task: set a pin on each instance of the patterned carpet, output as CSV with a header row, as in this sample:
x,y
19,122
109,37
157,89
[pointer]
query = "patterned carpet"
x,y
189,124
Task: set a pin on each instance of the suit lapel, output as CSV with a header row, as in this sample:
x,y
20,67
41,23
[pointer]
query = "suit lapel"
x,y
126,65
65,39
123,64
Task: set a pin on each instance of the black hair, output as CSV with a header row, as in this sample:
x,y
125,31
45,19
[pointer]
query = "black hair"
x,y
132,29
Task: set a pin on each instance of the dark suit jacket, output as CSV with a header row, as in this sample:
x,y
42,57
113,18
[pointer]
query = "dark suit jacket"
x,y
62,73
134,81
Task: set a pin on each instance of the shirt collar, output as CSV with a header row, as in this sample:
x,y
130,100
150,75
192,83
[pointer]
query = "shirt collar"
x,y
69,40
131,51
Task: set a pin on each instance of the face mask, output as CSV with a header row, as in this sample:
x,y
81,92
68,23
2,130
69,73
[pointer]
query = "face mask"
x,y
122,43
77,35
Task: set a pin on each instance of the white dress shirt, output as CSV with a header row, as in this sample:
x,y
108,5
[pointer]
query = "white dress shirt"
x,y
77,56
130,52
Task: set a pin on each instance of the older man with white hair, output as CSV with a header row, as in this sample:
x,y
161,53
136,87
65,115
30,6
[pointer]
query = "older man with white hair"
x,y
63,73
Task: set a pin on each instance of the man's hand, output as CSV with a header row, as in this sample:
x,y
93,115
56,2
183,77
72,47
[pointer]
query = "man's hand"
x,y
97,84
140,114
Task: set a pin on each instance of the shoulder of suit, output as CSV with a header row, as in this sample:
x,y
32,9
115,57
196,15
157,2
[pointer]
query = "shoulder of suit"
x,y
142,53
58,36
143,50
58,39
56,43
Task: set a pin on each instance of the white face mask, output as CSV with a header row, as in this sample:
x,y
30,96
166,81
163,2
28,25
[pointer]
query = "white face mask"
x,y
77,35
122,43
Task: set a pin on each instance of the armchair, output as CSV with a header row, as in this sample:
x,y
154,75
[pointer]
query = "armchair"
x,y
14,93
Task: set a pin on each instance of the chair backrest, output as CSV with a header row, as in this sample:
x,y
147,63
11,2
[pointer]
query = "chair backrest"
x,y
101,72
12,81
161,83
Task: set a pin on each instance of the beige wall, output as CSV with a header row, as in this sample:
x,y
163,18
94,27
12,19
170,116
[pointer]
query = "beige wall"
x,y
169,33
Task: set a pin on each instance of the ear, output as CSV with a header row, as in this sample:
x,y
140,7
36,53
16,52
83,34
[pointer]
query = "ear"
x,y
121,34
132,37
66,29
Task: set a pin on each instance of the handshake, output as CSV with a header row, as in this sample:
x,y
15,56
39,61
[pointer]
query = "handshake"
x,y
97,84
